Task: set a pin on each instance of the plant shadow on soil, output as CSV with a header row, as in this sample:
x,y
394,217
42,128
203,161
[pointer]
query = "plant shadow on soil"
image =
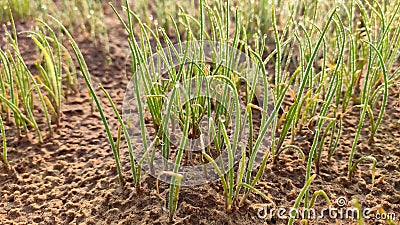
x,y
71,178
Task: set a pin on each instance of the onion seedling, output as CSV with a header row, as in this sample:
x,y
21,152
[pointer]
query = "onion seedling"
x,y
135,169
86,76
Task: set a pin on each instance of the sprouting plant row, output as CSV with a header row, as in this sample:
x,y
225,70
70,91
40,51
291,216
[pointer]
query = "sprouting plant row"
x,y
78,15
355,70
29,93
